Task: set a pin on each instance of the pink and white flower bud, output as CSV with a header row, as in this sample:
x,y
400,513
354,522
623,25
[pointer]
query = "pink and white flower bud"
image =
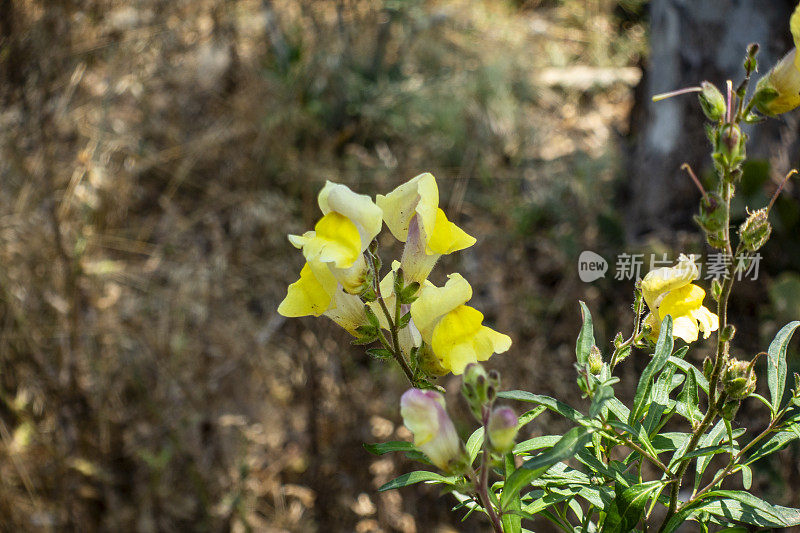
x,y
435,435
502,427
417,261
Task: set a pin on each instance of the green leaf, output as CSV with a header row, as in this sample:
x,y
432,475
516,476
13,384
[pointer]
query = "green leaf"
x,y
404,320
417,477
627,508
551,403
536,443
474,444
572,441
747,477
512,522
381,448
662,353
737,506
659,399
688,405
776,442
586,337
776,363
379,353
529,416
711,438
602,395
687,367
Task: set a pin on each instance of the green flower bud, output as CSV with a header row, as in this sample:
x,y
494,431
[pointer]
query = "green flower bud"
x,y
712,102
738,379
755,231
731,146
502,428
476,387
595,360
728,332
711,220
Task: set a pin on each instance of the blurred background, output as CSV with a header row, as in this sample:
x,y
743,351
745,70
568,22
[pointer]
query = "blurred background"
x,y
154,155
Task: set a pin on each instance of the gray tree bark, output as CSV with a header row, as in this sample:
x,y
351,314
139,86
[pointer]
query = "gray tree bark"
x,y
691,41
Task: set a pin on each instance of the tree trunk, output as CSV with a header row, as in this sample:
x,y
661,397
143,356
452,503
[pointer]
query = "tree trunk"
x,y
691,41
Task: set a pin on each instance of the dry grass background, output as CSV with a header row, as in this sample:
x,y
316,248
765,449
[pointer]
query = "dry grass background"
x,y
154,156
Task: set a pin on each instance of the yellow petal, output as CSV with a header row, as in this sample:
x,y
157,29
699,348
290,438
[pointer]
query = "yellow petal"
x,y
681,301
794,26
664,279
707,321
347,311
685,327
434,302
309,295
335,239
785,79
419,195
460,339
359,208
447,237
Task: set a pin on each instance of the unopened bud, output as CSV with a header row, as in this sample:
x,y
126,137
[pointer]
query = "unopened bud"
x,y
712,101
738,379
750,61
716,289
595,360
755,231
711,220
727,333
424,414
731,144
708,368
475,387
502,428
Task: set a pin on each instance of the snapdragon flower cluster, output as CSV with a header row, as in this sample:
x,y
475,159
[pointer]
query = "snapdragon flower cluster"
x,y
431,329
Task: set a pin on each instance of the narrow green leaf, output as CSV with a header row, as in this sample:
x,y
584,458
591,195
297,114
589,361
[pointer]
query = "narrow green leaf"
x,y
381,448
536,443
512,522
474,444
572,441
747,477
711,438
662,353
776,363
379,353
586,337
529,416
627,508
776,442
687,367
602,395
417,477
689,400
551,403
736,506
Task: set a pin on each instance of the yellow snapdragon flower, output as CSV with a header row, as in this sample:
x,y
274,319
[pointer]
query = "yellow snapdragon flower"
x,y
339,239
412,214
669,291
317,293
454,331
784,78
335,269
